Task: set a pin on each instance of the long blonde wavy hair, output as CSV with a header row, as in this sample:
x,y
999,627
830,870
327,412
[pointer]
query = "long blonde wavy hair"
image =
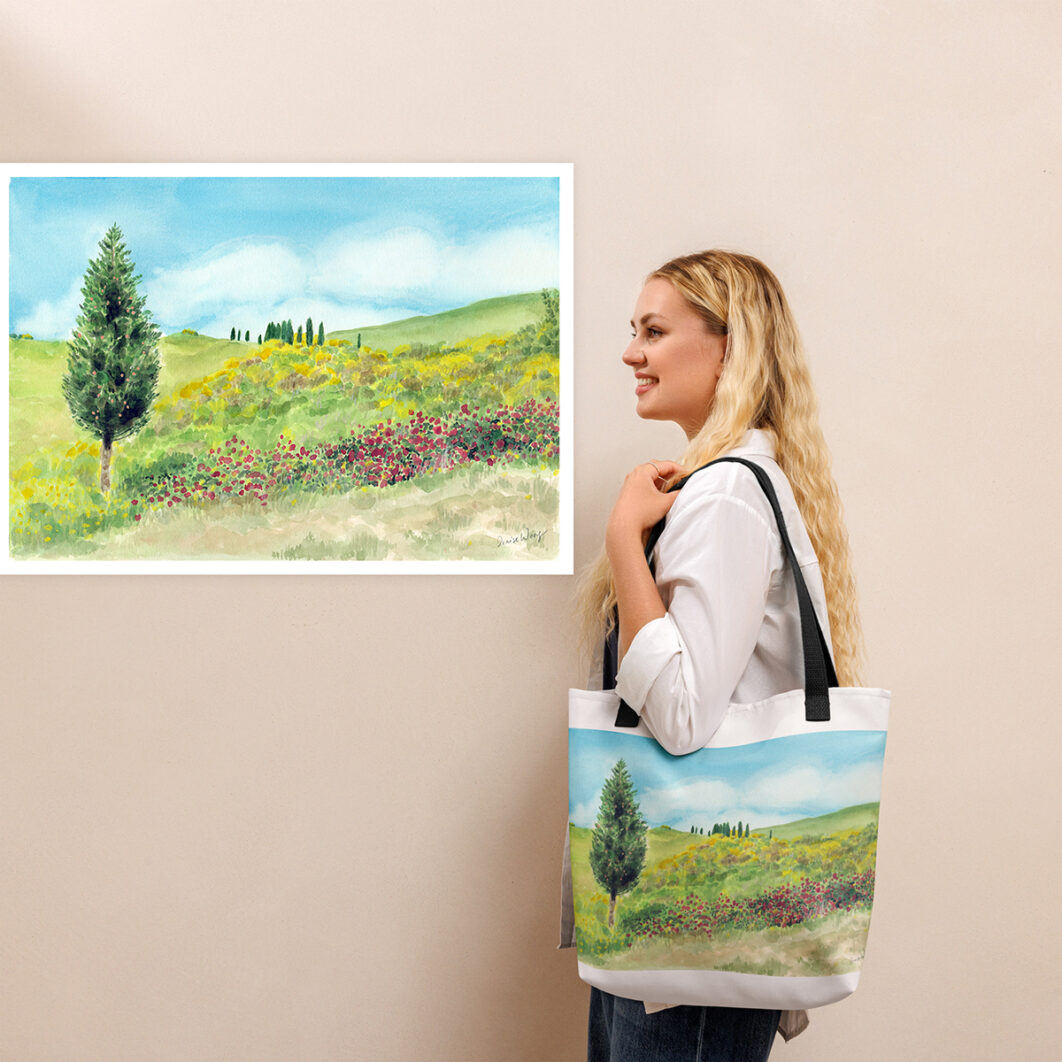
x,y
765,383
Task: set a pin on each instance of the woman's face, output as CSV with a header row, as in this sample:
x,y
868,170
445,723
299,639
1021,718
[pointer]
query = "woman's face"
x,y
676,361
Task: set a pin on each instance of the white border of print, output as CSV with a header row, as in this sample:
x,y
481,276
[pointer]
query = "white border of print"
x,y
561,565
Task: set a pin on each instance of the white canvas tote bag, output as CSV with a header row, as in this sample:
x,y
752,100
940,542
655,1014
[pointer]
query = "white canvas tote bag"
x,y
741,874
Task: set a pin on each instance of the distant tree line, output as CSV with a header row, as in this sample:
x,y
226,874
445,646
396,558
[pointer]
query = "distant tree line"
x,y
724,828
286,332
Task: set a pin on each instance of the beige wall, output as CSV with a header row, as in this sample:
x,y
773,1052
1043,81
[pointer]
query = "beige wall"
x,y
253,818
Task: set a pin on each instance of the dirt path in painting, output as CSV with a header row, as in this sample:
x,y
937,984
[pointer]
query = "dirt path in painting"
x,y
469,514
831,944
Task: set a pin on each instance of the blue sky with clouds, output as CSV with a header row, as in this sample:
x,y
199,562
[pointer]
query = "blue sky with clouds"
x,y
216,252
766,783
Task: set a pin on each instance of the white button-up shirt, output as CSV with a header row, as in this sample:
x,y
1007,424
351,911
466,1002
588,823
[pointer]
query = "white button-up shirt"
x,y
732,628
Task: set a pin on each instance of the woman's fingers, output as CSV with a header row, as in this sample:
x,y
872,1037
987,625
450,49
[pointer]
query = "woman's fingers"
x,y
643,500
667,468
664,470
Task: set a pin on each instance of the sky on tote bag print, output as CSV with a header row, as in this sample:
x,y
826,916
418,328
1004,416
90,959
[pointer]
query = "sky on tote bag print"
x,y
763,784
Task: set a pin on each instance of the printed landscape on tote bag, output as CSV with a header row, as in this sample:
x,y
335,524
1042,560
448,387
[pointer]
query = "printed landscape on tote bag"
x,y
762,863
315,367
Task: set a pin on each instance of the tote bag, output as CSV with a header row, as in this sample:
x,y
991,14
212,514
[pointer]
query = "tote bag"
x,y
740,874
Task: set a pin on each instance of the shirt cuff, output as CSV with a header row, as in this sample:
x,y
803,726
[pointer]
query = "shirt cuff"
x,y
650,651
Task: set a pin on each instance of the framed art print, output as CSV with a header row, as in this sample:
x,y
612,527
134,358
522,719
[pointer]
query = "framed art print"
x,y
289,368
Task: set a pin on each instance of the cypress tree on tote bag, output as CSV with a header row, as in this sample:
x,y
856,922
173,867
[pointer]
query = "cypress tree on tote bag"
x,y
617,845
112,360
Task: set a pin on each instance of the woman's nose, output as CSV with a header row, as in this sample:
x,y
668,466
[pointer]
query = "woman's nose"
x,y
633,354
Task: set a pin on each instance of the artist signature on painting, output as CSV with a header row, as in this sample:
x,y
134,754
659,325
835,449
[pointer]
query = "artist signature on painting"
x,y
527,535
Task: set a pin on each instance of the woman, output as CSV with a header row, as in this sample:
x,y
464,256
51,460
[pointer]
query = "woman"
x,y
715,349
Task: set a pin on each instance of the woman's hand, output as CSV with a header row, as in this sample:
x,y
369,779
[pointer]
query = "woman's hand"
x,y
642,502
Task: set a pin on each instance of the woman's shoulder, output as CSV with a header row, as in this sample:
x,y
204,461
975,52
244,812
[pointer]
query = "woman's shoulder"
x,y
732,480
739,486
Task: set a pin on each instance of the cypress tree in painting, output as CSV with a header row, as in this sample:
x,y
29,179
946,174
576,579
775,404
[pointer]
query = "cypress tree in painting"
x,y
112,367
617,845
320,333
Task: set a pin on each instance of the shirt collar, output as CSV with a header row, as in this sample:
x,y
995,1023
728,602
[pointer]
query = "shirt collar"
x,y
755,441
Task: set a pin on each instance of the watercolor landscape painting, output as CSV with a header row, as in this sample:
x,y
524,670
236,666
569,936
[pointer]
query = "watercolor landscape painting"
x,y
326,370
763,862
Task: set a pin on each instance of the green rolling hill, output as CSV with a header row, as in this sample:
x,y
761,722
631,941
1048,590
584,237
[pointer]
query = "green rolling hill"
x,y
496,316
853,818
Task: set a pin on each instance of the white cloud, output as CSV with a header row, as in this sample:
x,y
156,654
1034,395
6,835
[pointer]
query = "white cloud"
x,y
669,805
516,259
400,261
414,261
808,787
253,274
53,318
586,814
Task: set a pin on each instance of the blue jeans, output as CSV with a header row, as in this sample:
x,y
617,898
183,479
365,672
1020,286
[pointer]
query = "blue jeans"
x,y
621,1031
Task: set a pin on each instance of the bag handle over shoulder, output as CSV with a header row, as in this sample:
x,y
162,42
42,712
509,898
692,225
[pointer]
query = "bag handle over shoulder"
x,y
819,673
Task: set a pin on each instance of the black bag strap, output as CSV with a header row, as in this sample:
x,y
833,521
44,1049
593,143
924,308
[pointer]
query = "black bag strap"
x,y
819,673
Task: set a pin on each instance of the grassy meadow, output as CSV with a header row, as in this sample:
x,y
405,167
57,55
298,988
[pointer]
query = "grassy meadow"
x,y
789,900
435,438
